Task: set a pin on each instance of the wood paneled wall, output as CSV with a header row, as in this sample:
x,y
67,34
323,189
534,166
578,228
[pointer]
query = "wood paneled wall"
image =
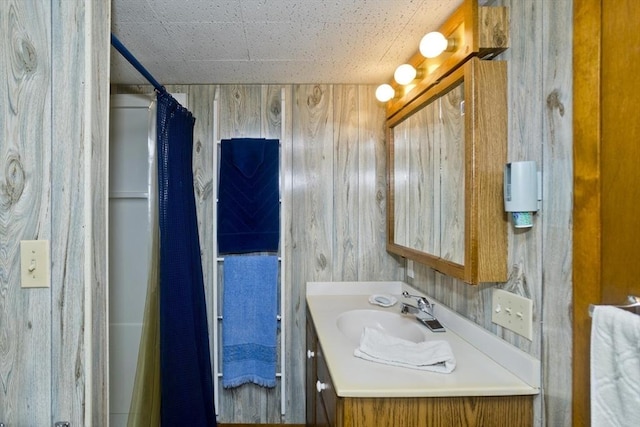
x,y
52,187
337,157
540,129
53,140
25,155
334,197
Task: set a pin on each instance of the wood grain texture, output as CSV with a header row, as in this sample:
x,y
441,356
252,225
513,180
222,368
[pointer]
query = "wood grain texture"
x,y
606,156
25,191
99,28
620,134
374,262
345,177
332,133
485,154
494,29
491,411
313,183
240,110
53,187
538,76
467,186
587,256
241,114
526,139
557,225
68,198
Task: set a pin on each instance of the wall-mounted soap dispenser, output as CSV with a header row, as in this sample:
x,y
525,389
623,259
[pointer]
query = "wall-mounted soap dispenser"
x,y
522,192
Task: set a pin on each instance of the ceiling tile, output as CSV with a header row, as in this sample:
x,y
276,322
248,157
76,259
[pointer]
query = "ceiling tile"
x,y
281,41
197,10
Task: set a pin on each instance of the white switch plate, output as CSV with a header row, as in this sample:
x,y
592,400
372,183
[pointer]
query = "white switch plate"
x,y
410,271
513,312
34,264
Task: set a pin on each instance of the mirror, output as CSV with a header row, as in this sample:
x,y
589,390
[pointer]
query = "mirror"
x,y
428,204
447,148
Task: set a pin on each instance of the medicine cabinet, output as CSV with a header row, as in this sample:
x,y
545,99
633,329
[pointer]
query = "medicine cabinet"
x,y
446,152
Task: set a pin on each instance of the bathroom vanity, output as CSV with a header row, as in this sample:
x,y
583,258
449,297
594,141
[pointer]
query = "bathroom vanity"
x,y
494,383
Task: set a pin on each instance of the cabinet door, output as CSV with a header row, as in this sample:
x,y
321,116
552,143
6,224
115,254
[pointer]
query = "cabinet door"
x,y
327,398
311,369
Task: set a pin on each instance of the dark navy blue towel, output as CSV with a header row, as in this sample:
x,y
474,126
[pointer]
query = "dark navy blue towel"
x,y
249,196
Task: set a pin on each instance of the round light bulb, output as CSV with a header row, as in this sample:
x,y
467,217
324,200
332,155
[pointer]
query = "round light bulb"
x,y
385,92
433,44
404,74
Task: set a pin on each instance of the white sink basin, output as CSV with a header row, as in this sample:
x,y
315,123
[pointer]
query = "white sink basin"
x,y
352,323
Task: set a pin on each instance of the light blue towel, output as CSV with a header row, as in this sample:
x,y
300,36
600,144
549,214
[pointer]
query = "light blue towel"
x,y
249,320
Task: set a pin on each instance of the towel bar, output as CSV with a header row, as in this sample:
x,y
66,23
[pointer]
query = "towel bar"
x,y
633,304
215,318
219,317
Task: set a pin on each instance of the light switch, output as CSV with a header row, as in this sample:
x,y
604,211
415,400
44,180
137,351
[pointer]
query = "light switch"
x,y
513,312
34,264
410,271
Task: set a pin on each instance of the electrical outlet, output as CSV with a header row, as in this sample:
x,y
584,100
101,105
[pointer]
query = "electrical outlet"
x,y
34,263
513,312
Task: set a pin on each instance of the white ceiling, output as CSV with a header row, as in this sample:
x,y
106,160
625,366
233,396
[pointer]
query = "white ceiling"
x,y
271,41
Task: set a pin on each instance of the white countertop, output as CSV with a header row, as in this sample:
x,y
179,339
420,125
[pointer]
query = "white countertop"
x,y
509,371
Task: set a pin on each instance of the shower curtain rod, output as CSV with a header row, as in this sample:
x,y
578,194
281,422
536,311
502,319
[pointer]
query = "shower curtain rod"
x,y
136,64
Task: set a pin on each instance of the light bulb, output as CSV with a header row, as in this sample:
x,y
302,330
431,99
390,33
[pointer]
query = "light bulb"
x,y
404,74
385,92
433,44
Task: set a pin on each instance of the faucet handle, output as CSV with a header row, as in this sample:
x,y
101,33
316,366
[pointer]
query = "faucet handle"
x,y
423,303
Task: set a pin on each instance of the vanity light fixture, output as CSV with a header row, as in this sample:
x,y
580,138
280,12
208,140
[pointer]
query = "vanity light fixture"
x,y
405,74
434,43
470,31
385,92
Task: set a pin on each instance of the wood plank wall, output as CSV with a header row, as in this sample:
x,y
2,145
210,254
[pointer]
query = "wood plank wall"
x,y
539,76
25,154
334,199
336,134
540,111
53,141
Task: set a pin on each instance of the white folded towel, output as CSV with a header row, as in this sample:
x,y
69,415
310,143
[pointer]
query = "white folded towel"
x,y
615,367
378,347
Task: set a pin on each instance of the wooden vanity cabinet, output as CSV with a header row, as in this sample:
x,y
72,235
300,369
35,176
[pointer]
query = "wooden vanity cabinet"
x,y
325,408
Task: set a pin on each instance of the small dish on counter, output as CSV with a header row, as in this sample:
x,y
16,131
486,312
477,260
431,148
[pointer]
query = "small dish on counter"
x,y
383,300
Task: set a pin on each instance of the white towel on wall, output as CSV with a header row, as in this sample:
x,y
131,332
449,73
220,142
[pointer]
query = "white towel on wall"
x,y
615,367
377,346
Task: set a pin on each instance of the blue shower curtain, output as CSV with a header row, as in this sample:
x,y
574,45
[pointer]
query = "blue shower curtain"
x,y
186,378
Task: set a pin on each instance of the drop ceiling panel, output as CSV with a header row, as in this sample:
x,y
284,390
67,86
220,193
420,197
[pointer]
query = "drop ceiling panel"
x,y
271,41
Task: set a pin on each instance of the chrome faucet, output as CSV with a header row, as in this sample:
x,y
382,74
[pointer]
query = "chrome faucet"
x,y
423,312
424,305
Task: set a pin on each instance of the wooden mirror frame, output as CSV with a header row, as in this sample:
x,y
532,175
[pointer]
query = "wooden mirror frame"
x,y
485,222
